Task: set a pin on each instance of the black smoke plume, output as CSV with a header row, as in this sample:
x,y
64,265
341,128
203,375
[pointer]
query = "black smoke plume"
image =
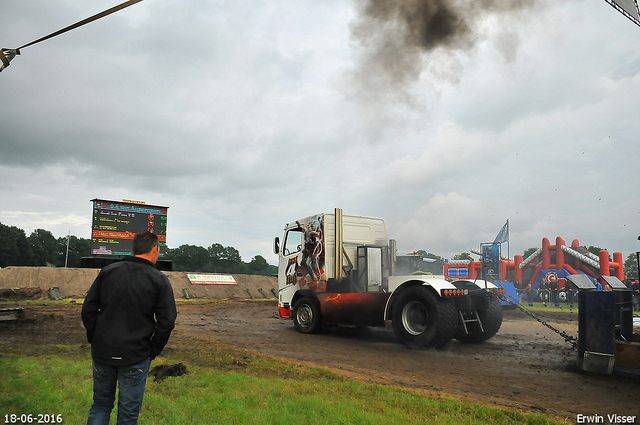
x,y
396,38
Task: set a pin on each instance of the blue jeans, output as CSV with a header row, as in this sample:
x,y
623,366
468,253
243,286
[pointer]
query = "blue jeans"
x,y
131,381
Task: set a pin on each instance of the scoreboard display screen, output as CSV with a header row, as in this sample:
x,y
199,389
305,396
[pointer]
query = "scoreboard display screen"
x,y
115,222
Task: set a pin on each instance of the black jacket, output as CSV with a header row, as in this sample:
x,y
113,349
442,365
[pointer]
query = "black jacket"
x,y
129,312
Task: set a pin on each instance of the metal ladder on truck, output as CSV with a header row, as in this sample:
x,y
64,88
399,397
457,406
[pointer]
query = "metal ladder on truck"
x,y
472,318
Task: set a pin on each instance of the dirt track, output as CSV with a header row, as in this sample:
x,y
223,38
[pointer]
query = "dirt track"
x,y
525,366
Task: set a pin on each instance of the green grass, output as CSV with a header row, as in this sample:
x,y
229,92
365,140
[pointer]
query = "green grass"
x,y
79,301
538,306
230,386
40,301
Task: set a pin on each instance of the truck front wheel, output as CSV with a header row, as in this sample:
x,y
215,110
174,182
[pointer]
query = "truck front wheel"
x,y
422,320
306,315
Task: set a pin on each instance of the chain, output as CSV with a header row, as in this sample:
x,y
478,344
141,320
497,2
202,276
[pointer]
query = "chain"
x,y
568,338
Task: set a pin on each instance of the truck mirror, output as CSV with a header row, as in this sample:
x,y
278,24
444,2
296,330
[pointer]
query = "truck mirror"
x,y
276,245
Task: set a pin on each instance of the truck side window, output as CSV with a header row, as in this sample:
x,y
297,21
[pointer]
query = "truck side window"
x,y
293,242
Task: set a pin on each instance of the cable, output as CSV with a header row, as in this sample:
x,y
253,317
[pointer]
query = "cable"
x,y
7,54
83,22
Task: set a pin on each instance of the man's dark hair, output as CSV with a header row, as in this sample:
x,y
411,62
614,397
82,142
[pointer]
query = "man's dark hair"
x,y
143,242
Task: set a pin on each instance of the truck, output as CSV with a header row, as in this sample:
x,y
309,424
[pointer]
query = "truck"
x,y
339,269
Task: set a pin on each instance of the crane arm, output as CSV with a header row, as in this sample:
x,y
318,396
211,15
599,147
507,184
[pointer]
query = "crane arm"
x,y
6,55
628,8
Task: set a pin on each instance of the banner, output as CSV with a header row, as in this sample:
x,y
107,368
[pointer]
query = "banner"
x,y
491,262
211,279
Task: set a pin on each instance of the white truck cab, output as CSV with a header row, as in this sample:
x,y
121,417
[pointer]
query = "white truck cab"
x,y
337,269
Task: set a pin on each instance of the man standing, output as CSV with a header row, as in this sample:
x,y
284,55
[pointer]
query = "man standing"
x,y
635,293
129,313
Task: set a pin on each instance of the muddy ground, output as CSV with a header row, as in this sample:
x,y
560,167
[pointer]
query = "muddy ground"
x,y
525,366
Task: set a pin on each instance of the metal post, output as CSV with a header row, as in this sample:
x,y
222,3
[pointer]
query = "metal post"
x,y
339,242
66,257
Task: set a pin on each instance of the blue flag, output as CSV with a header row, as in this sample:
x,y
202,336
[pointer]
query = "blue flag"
x,y
503,235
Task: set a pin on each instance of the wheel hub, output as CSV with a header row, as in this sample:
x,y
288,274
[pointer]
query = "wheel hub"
x,y
305,315
415,317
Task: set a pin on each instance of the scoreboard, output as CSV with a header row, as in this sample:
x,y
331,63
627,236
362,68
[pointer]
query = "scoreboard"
x,y
115,223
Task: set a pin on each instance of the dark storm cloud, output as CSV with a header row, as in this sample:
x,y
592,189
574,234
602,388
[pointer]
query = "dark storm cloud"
x,y
237,111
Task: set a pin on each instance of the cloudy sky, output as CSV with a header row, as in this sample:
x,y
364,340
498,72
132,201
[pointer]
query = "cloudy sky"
x,y
446,119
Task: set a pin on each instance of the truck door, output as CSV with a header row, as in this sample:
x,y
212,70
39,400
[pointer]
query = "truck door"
x,y
287,261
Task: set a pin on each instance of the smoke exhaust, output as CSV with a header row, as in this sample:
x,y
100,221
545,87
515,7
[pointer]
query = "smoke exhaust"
x,y
397,40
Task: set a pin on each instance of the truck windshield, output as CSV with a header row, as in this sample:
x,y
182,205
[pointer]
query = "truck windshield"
x,y
293,242
410,264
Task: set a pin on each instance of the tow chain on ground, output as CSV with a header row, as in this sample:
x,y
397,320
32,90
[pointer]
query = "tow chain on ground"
x,y
568,338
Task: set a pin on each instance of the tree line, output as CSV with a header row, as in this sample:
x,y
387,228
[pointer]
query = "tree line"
x,y
41,248
217,259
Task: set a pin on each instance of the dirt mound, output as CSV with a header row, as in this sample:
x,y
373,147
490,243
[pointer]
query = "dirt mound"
x,y
32,292
75,282
163,371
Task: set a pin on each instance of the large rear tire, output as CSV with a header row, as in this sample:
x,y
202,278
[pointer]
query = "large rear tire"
x,y
491,319
306,315
421,319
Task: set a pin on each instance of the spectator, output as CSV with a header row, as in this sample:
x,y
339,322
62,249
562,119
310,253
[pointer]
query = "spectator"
x,y
129,313
635,290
